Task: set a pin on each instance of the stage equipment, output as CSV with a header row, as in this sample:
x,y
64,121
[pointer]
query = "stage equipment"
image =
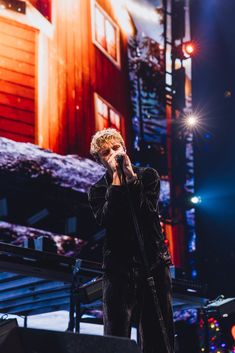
x,y
55,271
6,325
22,340
217,320
196,200
184,50
189,48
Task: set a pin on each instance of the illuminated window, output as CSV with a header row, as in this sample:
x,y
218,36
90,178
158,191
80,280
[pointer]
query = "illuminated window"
x,y
105,34
106,115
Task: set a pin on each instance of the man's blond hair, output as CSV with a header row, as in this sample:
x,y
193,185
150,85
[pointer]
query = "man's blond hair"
x,y
103,136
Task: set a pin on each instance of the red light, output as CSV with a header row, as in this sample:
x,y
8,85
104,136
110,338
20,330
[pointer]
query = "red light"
x,y
189,48
233,331
185,50
211,319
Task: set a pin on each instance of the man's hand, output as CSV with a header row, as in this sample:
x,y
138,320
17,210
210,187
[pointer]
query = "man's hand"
x,y
127,168
115,168
112,162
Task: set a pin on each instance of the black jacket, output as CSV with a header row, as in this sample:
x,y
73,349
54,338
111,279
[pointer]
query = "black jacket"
x,y
111,209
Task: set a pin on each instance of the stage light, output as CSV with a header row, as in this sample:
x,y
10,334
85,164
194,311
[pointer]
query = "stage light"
x,y
227,94
184,50
233,331
196,200
189,48
189,201
191,120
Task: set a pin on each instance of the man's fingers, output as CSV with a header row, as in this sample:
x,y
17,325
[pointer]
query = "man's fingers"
x,y
127,161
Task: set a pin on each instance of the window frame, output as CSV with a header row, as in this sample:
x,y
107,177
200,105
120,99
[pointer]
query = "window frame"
x,y
110,107
117,62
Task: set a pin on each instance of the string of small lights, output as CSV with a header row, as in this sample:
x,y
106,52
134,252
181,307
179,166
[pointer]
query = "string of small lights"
x,y
210,336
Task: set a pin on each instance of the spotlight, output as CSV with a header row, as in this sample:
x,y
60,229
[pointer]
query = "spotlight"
x,y
189,49
233,332
189,200
185,50
196,200
191,120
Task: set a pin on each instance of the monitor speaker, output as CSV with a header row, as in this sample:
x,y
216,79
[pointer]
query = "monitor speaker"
x,y
27,340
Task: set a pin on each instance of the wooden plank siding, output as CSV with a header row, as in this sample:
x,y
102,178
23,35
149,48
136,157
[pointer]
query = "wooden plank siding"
x,y
71,69
79,69
115,86
17,80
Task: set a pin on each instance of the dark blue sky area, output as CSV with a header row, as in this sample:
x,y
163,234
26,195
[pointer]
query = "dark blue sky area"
x,y
214,97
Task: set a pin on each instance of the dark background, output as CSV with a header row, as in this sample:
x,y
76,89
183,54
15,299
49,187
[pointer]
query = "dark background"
x,y
213,29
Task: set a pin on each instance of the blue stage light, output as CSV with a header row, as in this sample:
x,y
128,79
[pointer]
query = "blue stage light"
x,y
196,200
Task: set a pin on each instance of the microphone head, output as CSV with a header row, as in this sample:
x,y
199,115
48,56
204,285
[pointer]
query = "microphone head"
x,y
119,159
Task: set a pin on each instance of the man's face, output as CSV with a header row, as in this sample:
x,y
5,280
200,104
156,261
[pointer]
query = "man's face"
x,y
109,149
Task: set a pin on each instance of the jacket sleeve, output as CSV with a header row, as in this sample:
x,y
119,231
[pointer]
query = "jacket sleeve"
x,y
107,203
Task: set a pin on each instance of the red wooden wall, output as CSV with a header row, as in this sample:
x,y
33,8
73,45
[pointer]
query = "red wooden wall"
x,y
18,114
82,70
48,84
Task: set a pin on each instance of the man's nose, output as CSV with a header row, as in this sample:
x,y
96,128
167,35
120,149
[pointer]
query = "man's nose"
x,y
112,152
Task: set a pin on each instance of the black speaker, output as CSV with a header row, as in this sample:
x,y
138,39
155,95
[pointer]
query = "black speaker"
x,y
26,340
6,325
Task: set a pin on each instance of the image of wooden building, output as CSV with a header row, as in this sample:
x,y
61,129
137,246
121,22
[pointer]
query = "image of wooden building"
x,y
63,73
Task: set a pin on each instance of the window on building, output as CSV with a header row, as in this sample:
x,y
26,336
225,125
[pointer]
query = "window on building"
x,y
106,115
106,34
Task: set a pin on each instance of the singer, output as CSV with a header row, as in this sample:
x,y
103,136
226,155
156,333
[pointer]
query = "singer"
x,y
126,296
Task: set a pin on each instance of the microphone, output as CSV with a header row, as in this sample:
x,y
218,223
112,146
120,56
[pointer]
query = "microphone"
x,y
119,159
